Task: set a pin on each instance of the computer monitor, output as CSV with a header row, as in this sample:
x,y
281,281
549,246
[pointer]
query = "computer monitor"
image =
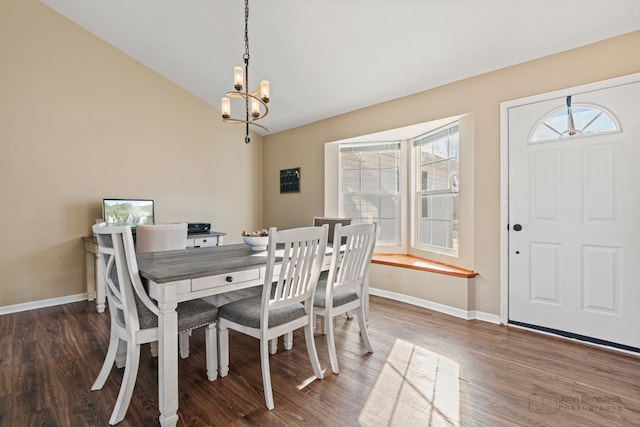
x,y
127,211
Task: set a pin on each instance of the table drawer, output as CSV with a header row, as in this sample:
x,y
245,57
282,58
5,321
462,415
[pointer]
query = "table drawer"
x,y
225,279
205,241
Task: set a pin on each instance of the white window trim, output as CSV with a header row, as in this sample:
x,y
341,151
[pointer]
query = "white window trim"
x,y
405,135
402,246
415,205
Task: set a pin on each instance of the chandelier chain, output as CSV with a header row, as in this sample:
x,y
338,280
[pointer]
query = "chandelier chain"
x,y
246,57
246,30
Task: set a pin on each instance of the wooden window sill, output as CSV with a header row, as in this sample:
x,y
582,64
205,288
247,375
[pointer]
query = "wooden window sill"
x,y
408,261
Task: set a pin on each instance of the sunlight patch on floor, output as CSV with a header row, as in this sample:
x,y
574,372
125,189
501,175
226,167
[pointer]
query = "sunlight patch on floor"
x,y
416,387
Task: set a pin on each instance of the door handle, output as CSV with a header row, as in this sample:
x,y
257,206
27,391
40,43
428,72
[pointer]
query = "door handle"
x,y
517,227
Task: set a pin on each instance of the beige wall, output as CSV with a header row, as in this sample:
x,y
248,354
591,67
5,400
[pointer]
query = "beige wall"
x,y
79,121
479,95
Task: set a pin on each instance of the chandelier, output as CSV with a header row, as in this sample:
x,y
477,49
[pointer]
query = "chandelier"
x,y
255,103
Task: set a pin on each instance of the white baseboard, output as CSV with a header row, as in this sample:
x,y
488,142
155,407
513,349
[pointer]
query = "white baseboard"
x,y
32,305
486,317
441,308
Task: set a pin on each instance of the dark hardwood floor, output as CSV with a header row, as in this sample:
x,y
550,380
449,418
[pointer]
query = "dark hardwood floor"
x,y
428,369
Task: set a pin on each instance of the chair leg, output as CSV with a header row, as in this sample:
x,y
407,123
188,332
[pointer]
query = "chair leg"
x,y
211,345
109,359
128,383
273,346
288,340
266,373
223,349
364,331
331,343
349,315
183,341
311,349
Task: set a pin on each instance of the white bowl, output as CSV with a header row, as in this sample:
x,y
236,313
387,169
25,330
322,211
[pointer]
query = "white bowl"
x,y
257,243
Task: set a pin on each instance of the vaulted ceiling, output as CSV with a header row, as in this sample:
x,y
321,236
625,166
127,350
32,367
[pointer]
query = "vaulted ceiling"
x,y
328,57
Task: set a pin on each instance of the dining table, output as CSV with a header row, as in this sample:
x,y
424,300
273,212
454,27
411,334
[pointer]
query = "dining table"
x,y
175,276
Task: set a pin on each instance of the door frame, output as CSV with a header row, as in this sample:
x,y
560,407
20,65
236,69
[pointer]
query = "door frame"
x,y
504,169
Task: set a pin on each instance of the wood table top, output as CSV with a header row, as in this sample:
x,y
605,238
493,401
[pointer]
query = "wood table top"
x,y
171,266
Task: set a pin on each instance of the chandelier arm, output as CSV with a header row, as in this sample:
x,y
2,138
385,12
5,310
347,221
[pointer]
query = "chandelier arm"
x,y
249,123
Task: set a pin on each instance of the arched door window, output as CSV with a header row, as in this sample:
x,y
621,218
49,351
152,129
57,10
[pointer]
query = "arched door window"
x,y
574,120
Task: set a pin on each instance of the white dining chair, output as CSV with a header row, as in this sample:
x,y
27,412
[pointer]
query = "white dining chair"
x,y
294,260
134,316
345,288
161,237
319,221
164,237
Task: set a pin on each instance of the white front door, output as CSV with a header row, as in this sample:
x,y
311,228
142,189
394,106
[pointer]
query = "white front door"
x,y
574,222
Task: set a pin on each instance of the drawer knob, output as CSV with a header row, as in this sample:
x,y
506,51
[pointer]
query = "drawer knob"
x,y
229,279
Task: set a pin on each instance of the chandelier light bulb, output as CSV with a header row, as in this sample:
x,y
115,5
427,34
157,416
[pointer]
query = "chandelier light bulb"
x,y
264,90
226,108
238,78
255,108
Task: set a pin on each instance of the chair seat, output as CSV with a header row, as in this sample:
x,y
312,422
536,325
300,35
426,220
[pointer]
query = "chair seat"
x,y
247,312
191,315
340,297
195,314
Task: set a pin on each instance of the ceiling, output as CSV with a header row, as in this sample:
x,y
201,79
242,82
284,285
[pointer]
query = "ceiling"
x,y
328,57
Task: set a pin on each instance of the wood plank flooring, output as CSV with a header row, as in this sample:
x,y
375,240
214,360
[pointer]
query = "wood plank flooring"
x,y
429,369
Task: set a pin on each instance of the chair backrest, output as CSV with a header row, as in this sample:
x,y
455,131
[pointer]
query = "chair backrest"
x,y
350,263
161,237
128,301
319,221
295,256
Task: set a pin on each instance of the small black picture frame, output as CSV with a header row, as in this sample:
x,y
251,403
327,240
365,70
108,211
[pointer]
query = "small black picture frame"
x,y
290,180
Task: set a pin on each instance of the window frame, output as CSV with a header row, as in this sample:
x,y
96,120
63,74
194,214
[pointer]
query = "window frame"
x,y
387,246
406,134
416,192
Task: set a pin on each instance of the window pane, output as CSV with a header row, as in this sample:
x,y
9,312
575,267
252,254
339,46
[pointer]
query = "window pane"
x,y
369,207
425,232
371,180
370,186
454,146
351,206
389,159
439,234
389,207
388,230
441,207
426,154
424,207
370,160
440,176
351,181
350,160
389,181
441,149
587,119
437,163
